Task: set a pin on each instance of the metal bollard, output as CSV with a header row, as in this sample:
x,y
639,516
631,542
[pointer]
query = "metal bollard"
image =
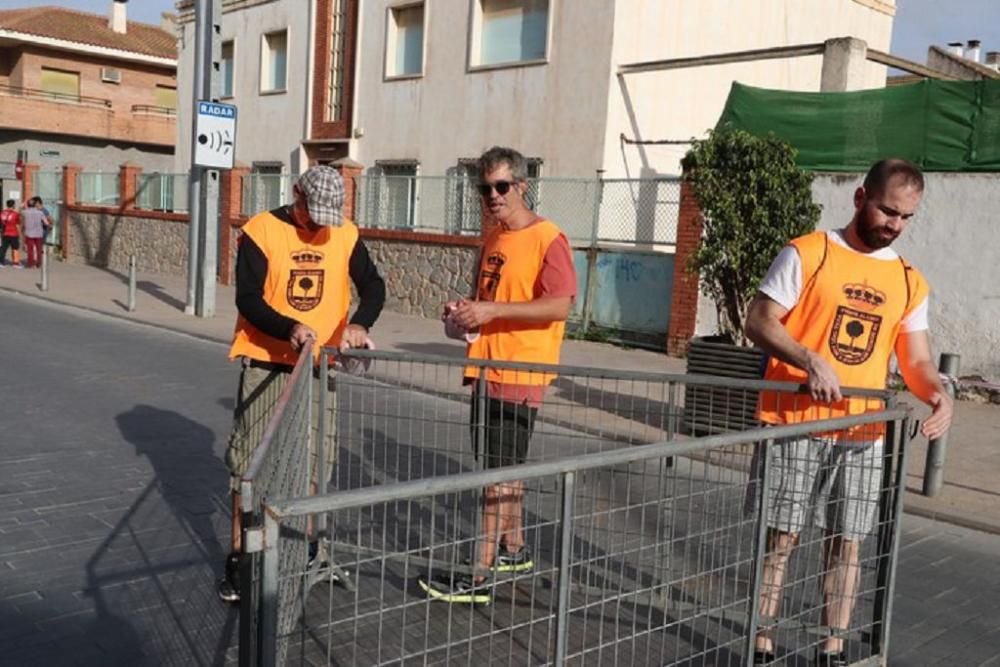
x,y
131,283
45,268
937,449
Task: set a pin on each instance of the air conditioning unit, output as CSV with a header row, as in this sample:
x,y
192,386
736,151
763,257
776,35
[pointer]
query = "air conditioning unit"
x,y
111,75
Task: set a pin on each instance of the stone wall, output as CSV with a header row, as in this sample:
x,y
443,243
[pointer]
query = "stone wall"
x,y
104,237
421,271
421,275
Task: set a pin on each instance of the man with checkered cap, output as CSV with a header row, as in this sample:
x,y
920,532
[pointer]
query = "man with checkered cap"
x,y
293,273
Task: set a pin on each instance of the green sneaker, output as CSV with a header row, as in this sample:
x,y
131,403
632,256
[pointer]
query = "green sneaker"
x,y
517,561
460,588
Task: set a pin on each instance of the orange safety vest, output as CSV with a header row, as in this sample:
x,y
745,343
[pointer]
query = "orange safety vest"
x,y
307,280
849,311
509,265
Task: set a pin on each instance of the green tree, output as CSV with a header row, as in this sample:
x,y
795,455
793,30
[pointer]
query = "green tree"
x,y
754,199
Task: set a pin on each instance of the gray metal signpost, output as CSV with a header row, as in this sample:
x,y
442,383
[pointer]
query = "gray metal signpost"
x,y
203,184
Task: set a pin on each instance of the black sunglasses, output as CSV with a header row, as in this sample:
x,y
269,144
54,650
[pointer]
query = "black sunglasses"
x,y
502,188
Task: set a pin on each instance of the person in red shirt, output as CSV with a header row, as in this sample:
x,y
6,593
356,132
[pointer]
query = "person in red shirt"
x,y
524,289
10,223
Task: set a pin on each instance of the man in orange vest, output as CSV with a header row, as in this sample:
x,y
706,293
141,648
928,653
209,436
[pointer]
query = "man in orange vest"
x,y
524,288
293,274
830,312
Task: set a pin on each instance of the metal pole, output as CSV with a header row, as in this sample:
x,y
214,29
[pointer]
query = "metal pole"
x,y
897,520
591,289
194,215
202,36
479,400
591,284
897,440
598,200
45,268
760,549
208,245
937,449
565,550
203,184
322,479
131,283
324,406
269,593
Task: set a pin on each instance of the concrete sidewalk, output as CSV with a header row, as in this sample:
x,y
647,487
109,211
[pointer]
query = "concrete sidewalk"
x,y
971,495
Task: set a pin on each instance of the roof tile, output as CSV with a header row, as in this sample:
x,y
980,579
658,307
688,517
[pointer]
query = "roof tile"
x,y
92,29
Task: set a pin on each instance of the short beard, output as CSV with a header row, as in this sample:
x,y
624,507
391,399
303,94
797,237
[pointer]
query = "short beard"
x,y
869,234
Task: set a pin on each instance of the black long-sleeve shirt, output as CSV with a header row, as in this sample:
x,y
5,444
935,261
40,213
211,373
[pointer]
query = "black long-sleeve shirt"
x,y
251,271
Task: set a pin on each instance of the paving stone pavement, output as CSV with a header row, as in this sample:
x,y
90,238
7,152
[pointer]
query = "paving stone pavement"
x,y
947,604
113,503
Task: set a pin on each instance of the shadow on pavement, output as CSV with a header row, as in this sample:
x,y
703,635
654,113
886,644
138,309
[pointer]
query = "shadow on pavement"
x,y
149,287
152,579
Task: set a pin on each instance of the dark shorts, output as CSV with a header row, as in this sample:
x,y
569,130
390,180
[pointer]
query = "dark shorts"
x,y
508,430
12,242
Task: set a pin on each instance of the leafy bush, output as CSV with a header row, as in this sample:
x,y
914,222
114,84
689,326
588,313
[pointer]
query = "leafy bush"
x,y
755,199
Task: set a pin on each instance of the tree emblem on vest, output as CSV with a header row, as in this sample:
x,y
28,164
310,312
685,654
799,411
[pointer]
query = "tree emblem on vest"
x,y
305,288
491,276
855,327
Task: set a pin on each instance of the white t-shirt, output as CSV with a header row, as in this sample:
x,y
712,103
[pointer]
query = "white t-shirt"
x,y
783,282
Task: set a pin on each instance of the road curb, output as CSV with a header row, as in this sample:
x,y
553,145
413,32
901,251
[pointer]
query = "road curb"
x,y
951,518
96,311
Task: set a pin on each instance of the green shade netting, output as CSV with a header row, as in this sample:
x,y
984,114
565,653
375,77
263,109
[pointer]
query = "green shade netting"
x,y
939,125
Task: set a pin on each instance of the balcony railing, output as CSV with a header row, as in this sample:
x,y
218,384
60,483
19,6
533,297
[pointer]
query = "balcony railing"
x,y
32,93
152,110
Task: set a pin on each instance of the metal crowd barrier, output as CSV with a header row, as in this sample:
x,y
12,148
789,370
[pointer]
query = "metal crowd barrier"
x,y
648,542
279,468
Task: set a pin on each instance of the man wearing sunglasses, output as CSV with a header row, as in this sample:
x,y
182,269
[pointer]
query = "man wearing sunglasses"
x,y
831,310
524,288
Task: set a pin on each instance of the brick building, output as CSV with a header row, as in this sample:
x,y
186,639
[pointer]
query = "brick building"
x,y
95,90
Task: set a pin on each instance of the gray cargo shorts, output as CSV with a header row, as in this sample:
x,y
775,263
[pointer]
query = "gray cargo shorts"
x,y
836,483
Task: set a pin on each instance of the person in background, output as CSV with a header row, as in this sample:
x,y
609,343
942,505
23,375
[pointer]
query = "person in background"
x,y
10,227
36,225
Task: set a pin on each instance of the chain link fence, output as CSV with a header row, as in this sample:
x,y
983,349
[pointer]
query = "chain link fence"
x,y
589,211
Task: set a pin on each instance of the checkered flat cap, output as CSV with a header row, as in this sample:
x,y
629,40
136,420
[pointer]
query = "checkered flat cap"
x,y
324,191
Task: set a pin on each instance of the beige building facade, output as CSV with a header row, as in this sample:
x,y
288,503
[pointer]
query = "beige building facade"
x,y
569,106
421,86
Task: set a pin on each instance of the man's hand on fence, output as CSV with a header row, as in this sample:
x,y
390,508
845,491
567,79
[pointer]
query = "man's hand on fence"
x,y
355,336
473,314
942,407
824,385
300,335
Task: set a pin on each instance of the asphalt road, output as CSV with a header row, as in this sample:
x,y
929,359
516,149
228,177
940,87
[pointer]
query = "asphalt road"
x,y
114,508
